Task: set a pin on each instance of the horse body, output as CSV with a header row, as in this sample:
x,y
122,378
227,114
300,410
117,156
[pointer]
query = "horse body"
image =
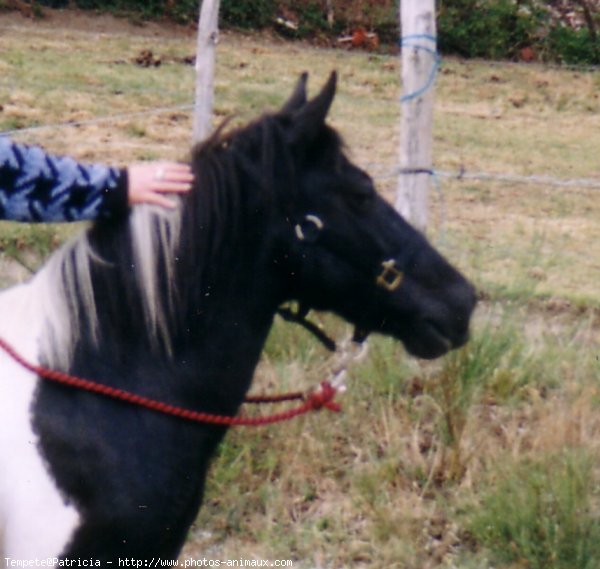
x,y
177,307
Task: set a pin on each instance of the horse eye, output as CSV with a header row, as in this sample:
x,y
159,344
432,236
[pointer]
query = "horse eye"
x,y
359,197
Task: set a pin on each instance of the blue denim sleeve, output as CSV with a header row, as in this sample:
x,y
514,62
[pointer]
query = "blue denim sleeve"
x,y
36,186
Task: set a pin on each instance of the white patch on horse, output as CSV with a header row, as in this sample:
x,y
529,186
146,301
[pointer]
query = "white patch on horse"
x,y
35,520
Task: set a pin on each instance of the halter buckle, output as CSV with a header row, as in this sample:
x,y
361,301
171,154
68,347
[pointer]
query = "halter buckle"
x,y
390,277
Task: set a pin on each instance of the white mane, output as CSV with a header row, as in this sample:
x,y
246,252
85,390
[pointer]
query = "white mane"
x,y
67,276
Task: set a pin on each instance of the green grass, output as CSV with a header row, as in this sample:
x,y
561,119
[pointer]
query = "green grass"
x,y
542,514
485,458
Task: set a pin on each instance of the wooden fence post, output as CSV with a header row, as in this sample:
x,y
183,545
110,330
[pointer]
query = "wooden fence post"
x,y
419,64
208,35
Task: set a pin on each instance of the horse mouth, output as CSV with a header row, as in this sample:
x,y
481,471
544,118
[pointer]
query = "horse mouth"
x,y
439,335
432,340
435,340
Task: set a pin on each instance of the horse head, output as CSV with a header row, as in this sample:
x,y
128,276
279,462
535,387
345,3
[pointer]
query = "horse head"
x,y
343,248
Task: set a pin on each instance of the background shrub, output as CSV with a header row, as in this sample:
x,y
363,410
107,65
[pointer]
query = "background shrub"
x,y
552,30
494,30
248,14
573,46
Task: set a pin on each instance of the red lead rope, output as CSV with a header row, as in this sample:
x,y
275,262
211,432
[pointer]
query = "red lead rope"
x,y
322,397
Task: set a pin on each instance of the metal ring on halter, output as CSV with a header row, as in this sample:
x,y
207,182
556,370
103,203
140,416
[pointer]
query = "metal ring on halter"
x,y
312,219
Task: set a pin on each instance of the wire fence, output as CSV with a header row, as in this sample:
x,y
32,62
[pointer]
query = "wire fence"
x,y
462,174
378,170
108,119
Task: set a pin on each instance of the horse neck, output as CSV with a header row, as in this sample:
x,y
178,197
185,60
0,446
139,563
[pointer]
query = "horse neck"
x,y
194,307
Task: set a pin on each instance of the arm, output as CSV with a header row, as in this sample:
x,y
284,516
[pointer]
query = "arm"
x,y
36,186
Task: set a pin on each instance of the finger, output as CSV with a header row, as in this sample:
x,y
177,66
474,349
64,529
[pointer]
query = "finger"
x,y
180,166
179,176
158,199
165,186
175,166
171,171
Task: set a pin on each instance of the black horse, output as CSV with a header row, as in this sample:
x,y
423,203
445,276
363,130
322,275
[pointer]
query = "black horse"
x,y
177,307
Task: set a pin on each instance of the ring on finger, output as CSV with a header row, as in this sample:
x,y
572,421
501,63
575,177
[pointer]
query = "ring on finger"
x,y
159,175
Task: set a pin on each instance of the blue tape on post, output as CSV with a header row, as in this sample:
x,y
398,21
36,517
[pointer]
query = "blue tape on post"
x,y
414,41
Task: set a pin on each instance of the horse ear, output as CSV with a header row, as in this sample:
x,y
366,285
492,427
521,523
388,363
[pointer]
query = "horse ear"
x,y
298,98
310,118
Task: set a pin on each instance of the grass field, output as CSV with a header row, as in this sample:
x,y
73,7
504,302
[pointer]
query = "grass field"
x,y
487,458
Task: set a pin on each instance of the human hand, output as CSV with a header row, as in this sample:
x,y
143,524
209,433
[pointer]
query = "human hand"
x,y
149,181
